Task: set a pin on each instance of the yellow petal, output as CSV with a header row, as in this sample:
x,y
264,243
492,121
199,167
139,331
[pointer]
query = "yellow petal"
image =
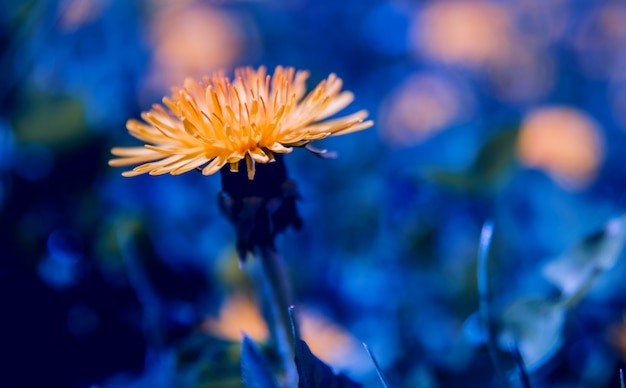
x,y
130,151
133,160
336,104
191,165
259,156
354,128
215,165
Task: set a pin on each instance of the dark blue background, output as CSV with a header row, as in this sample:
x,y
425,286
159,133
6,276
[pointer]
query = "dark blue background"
x,y
388,250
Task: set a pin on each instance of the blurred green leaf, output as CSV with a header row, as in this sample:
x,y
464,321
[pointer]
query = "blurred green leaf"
x,y
574,271
56,121
256,370
493,160
313,373
208,362
536,326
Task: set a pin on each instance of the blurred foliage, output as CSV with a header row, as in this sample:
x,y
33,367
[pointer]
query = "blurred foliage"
x,y
256,371
49,120
491,164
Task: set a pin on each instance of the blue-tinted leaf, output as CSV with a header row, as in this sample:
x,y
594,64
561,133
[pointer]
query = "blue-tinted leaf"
x,y
313,373
574,270
255,368
535,326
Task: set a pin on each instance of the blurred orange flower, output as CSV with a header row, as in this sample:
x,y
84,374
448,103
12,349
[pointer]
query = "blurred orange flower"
x,y
179,53
467,32
617,337
563,141
239,314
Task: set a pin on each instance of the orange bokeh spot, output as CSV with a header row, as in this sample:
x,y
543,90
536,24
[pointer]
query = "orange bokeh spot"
x,y
468,32
239,314
420,107
332,343
563,141
192,40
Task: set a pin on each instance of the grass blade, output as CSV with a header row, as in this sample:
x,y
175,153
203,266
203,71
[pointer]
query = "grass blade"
x,y
378,370
484,247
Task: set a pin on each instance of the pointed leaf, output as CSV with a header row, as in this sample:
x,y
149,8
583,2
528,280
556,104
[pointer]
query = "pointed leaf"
x,y
573,270
535,326
255,368
313,373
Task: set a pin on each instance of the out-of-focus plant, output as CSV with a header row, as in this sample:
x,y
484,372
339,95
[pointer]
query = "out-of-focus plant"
x,y
530,329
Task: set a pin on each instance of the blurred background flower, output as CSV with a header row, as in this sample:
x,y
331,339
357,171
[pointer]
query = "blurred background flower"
x,y
510,111
563,142
191,39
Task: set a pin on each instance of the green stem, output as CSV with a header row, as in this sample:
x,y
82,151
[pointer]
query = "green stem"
x,y
483,299
582,290
277,300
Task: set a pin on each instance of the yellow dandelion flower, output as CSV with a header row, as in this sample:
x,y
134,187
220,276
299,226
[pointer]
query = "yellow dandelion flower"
x,y
219,122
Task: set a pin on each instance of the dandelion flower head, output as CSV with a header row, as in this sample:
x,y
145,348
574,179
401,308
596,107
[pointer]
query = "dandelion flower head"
x,y
206,125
